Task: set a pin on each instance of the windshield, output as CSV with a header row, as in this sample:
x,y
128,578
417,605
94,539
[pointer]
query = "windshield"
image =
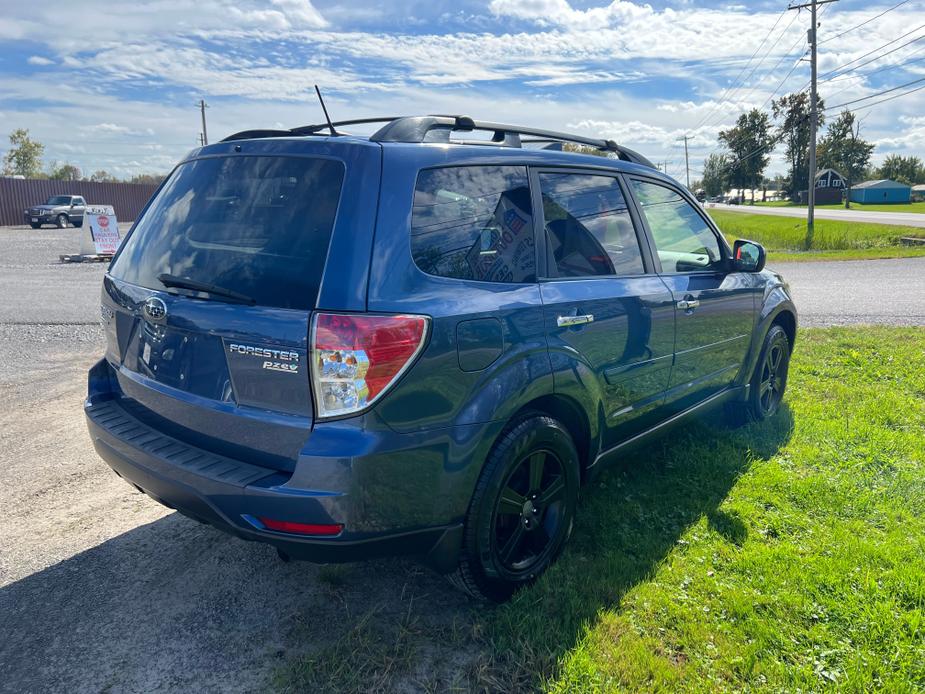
x,y
59,200
258,226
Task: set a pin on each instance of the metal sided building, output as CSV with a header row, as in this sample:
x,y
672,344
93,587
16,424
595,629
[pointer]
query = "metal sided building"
x,y
883,191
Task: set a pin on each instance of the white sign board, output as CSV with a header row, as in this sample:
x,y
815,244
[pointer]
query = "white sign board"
x,y
101,231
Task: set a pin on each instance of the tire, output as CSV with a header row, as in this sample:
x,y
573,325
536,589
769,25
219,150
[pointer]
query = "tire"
x,y
522,510
35,226
768,382
61,221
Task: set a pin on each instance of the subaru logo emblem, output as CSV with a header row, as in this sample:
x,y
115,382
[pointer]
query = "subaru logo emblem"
x,y
155,310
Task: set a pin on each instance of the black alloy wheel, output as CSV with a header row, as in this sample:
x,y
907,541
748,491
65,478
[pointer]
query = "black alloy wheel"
x,y
768,382
773,377
528,518
522,509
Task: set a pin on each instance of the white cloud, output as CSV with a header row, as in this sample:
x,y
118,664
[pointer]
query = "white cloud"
x,y
258,61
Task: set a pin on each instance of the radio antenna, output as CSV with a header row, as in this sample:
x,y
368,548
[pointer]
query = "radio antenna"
x,y
325,109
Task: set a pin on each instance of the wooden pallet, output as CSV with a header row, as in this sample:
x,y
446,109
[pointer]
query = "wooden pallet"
x,y
83,258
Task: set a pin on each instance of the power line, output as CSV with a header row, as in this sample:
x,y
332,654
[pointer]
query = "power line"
x,y
747,94
730,89
868,74
841,68
864,23
859,108
872,96
848,76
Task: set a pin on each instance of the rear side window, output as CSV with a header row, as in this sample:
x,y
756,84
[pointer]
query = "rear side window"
x,y
474,223
259,226
589,230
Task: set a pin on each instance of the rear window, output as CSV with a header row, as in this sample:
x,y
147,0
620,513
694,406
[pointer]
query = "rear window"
x,y
474,223
259,226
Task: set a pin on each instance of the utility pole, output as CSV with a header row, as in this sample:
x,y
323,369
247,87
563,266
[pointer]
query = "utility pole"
x,y
202,109
687,162
813,117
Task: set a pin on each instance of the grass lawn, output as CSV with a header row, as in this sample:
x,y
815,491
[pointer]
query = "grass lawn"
x,y
835,240
785,556
918,207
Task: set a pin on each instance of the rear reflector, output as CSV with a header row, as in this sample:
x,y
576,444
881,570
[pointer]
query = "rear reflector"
x,y
356,358
301,528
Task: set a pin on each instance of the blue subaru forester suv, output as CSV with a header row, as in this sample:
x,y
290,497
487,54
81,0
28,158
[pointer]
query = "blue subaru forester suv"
x,y
420,342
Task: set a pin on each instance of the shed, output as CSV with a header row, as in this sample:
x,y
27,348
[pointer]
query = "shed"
x,y
883,191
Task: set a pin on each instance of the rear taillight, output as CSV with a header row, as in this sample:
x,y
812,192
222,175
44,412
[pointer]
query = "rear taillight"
x,y
356,358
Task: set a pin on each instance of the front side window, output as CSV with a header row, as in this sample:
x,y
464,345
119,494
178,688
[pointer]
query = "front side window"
x,y
589,230
474,223
684,241
259,226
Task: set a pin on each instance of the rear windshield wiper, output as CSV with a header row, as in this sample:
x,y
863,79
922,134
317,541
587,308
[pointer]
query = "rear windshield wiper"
x,y
207,287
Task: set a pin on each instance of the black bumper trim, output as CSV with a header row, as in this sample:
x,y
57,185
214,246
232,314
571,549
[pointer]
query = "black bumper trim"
x,y
113,418
191,481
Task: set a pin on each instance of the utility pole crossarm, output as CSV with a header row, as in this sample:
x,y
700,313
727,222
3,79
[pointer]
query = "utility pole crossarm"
x,y
810,4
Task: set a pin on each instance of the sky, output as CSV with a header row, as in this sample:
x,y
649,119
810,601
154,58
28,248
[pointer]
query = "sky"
x,y
115,85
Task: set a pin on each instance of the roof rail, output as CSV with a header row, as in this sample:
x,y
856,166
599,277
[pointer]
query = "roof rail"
x,y
418,129
305,129
437,128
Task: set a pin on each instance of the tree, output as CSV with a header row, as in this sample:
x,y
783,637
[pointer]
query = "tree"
x,y
102,176
715,175
25,155
908,170
149,179
749,143
792,112
65,172
843,149
586,149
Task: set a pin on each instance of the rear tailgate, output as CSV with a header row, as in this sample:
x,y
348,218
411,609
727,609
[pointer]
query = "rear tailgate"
x,y
226,368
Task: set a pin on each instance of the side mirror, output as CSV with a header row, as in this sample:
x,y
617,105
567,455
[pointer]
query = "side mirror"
x,y
748,256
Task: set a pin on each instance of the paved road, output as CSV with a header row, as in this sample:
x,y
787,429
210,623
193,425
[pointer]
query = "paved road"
x,y
852,292
911,219
103,589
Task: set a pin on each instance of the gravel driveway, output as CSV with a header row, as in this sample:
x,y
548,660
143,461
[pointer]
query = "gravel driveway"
x,y
103,589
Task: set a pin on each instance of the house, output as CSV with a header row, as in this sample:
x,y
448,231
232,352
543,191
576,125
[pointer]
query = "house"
x,y
918,192
883,191
830,187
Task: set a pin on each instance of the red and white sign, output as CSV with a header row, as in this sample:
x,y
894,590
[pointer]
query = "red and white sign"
x,y
103,229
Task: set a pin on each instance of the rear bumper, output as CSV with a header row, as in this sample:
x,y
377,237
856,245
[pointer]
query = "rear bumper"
x,y
226,493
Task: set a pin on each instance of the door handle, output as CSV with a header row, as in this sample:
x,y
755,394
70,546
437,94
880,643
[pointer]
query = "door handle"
x,y
688,304
567,321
